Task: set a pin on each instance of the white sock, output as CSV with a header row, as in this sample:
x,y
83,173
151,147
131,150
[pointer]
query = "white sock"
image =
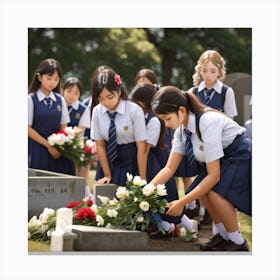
x,y
214,229
221,229
192,205
167,226
201,211
187,223
236,237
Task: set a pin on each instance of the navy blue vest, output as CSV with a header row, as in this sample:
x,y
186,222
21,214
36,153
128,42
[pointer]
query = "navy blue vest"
x,y
75,115
217,101
46,120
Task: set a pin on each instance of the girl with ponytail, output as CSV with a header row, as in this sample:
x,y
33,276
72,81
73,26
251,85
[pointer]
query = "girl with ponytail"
x,y
223,156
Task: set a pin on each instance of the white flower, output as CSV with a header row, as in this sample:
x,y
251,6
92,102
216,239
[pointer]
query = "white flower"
x,y
104,199
94,208
148,189
137,181
161,190
112,213
140,219
129,177
89,143
122,193
108,226
113,201
99,220
144,206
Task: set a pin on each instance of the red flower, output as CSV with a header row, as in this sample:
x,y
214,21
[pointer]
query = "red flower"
x,y
62,132
85,213
88,150
73,204
89,202
118,79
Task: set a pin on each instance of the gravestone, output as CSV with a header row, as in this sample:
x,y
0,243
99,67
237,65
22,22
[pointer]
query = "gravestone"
x,y
52,190
242,86
108,190
90,238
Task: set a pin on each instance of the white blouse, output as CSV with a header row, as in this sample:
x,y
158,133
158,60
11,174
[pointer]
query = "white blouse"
x,y
217,132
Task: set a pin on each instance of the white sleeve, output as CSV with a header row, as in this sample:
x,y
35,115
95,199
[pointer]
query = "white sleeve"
x,y
30,110
178,145
85,118
230,108
65,119
94,127
212,142
153,131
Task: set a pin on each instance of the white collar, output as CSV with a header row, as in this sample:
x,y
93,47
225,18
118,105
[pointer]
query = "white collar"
x,y
42,96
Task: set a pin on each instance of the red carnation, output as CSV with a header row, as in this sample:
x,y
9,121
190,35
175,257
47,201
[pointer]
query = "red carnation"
x,y
62,132
118,79
88,150
73,204
85,213
89,202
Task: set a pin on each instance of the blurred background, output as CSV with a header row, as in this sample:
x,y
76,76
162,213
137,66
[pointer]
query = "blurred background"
x,y
172,53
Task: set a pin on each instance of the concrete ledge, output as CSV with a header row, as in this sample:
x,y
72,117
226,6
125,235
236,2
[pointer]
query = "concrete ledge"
x,y
92,238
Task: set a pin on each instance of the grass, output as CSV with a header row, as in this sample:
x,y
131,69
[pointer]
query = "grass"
x,y
244,220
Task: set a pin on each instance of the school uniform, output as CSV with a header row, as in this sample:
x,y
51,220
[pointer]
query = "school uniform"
x,y
45,120
217,101
157,160
228,144
130,128
79,116
221,97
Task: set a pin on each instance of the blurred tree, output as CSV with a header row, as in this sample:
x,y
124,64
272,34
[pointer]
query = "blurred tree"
x,y
171,52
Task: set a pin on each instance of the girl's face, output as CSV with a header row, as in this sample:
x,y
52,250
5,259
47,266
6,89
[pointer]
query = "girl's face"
x,y
209,73
71,94
48,82
174,120
108,99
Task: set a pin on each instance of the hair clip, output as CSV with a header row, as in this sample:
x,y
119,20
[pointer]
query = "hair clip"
x,y
117,79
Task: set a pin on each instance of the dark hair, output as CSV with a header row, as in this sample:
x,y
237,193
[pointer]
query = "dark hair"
x,y
108,79
144,92
168,99
70,82
146,73
47,66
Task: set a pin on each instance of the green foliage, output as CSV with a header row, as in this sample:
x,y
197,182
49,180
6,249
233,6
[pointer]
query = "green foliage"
x,y
171,52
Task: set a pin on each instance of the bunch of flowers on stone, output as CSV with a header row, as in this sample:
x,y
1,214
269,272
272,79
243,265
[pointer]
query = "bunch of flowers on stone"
x,y
72,146
133,208
40,229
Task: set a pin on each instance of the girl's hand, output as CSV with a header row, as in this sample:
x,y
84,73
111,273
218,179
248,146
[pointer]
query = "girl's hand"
x,y
54,152
175,208
104,180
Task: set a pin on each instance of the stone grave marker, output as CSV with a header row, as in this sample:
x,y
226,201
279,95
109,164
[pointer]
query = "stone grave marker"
x,y
52,190
108,190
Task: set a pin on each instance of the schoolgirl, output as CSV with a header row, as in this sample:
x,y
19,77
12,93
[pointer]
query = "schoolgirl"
x,y
119,130
79,118
224,180
210,71
47,113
